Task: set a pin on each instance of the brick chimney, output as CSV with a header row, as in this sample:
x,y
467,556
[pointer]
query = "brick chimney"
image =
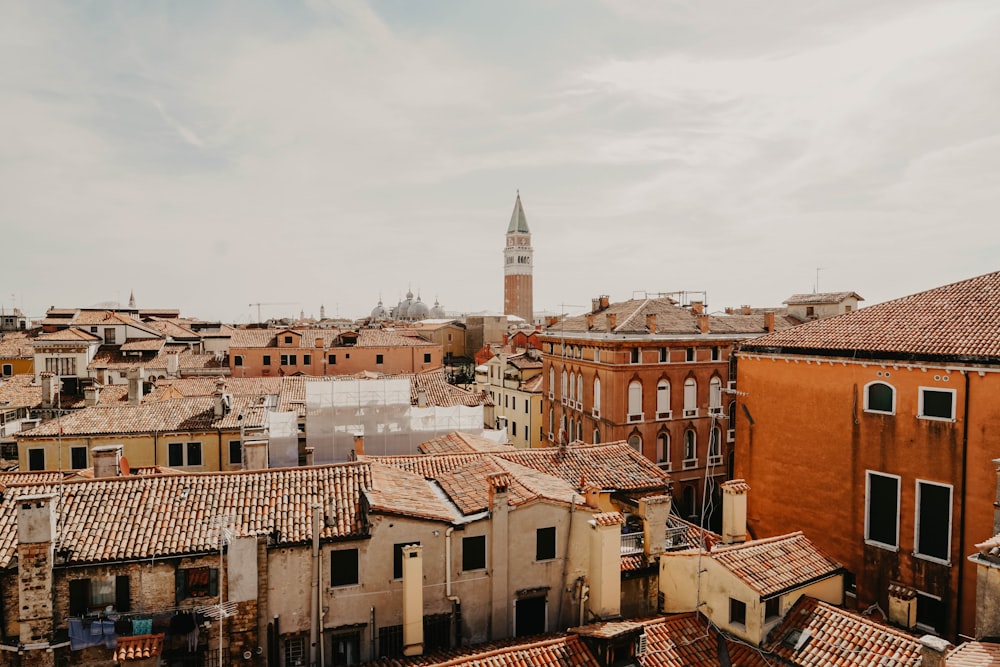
x,y
499,483
359,444
604,575
173,365
769,322
746,309
697,307
422,397
703,323
36,532
933,651
605,301
734,511
590,321
651,322
220,397
319,341
135,377
106,460
612,321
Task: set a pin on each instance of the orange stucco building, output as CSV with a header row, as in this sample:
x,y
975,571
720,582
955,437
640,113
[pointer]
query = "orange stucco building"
x,y
875,432
652,372
318,352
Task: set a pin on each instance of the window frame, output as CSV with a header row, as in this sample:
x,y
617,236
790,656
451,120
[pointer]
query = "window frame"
x,y
892,400
545,544
340,582
867,535
916,521
237,450
737,613
920,403
427,357
7,370
34,452
473,553
183,586
266,361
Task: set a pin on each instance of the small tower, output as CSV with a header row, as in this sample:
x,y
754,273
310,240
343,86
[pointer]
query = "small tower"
x,y
518,262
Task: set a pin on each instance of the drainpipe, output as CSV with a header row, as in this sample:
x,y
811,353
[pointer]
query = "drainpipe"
x,y
569,543
961,525
455,600
314,615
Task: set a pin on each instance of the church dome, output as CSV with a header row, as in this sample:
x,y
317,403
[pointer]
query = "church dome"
x,y
379,311
438,310
419,310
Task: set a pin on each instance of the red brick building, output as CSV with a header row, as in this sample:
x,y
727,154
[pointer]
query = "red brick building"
x,y
874,432
655,373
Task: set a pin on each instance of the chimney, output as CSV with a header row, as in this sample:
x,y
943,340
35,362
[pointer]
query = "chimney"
x,y
91,395
612,321
654,511
590,321
135,377
933,651
359,444
595,305
106,460
36,532
605,301
746,309
50,387
903,606
734,511
319,342
769,322
413,600
173,365
651,322
604,575
703,323
551,320
255,455
499,592
421,397
310,453
697,307
729,310
220,398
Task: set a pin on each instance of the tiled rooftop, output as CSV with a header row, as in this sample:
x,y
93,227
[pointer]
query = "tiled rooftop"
x,y
687,640
69,336
126,518
457,442
143,345
975,654
957,320
775,564
396,491
17,344
839,637
550,651
820,298
138,647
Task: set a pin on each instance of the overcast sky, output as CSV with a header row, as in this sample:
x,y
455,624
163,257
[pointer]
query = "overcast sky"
x,y
209,155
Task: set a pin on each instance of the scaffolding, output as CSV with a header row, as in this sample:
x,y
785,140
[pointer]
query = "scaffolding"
x,y
381,411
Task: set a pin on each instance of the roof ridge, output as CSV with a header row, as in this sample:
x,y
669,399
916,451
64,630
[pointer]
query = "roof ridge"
x,y
634,313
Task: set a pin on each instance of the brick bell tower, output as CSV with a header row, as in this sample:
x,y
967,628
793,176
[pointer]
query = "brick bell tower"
x,y
518,258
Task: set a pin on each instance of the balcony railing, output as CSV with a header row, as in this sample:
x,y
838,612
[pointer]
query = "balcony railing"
x,y
631,543
676,535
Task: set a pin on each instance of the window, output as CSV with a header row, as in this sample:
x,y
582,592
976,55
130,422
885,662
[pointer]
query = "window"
x,y
78,457
880,397
332,360
636,355
8,369
527,406
344,567
545,543
634,401
109,336
238,360
427,357
36,459
397,558
564,385
86,595
663,448
772,609
931,613
181,454
597,436
810,311
937,404
295,651
196,582
737,612
579,388
882,510
267,360
235,452
664,355
552,381
690,398
473,553
690,354
663,400
933,521
715,447
513,429
307,359
635,442
61,365
288,360
597,396
597,355
288,340
715,396
346,649
690,448
572,387
379,358
716,353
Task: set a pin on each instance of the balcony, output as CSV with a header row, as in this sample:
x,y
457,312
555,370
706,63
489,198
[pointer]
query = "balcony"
x,y
631,543
676,535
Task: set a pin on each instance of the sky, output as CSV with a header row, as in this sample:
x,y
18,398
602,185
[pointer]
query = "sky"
x,y
211,155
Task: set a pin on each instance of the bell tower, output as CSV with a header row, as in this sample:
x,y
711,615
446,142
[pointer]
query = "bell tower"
x,y
518,258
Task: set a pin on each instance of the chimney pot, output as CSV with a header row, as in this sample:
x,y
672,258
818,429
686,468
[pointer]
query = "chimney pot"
x,y
590,321
651,322
746,310
769,322
703,323
612,320
933,651
359,444
697,307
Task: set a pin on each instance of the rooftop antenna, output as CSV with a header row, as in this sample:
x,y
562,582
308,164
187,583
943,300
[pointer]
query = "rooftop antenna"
x,y
816,284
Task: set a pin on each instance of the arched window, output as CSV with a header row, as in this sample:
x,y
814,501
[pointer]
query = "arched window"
x,y
715,396
663,400
635,442
572,431
634,401
572,387
562,386
563,433
597,436
880,397
579,389
552,381
579,430
715,447
663,448
597,396
690,449
690,398
690,508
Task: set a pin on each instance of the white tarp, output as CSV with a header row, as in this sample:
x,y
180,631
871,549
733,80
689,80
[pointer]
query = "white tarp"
x,y
380,410
283,446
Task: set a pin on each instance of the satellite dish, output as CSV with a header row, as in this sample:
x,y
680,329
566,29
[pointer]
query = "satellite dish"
x,y
123,466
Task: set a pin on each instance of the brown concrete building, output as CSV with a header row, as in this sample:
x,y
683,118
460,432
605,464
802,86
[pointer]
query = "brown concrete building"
x,y
874,433
653,371
518,295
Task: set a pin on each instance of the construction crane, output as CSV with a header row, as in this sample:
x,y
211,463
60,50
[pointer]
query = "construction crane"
x,y
271,303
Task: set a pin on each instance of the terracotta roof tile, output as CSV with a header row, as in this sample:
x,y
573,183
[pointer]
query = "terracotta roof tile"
x,y
820,297
775,564
839,637
20,391
17,344
396,491
548,651
457,442
974,654
957,320
687,640
68,335
138,647
143,344
387,338
609,519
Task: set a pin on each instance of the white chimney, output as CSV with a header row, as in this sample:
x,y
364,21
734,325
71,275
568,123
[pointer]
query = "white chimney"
x,y
106,460
734,511
50,384
173,365
413,600
135,378
933,651
91,395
